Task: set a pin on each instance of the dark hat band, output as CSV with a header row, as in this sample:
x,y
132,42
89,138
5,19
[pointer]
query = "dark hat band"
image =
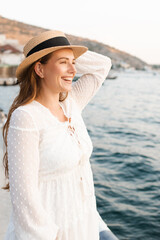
x,y
52,42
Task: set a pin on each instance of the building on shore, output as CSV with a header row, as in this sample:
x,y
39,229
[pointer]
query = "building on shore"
x,y
11,56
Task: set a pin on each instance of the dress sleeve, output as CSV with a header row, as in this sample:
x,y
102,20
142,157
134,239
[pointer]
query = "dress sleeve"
x,y
94,68
31,221
102,225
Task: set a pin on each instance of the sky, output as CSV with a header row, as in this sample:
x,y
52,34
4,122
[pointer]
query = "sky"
x,y
130,26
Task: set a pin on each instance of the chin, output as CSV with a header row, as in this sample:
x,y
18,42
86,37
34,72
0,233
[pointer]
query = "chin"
x,y
67,89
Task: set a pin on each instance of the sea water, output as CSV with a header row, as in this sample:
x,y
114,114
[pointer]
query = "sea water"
x,y
123,121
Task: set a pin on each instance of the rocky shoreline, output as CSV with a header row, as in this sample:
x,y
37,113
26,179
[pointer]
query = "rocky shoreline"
x,y
3,118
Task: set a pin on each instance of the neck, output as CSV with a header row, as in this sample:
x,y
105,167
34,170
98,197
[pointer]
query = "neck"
x,y
50,101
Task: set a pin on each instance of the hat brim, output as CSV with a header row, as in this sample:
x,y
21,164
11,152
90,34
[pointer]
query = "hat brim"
x,y
77,52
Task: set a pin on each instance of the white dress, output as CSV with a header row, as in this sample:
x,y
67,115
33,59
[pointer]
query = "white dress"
x,y
51,181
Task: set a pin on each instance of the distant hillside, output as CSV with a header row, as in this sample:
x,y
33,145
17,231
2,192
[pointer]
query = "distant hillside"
x,y
23,32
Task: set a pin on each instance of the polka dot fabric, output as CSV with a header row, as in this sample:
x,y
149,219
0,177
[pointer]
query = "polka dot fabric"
x,y
31,220
51,181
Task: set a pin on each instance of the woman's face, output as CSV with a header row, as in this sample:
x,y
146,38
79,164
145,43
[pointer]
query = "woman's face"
x,y
57,74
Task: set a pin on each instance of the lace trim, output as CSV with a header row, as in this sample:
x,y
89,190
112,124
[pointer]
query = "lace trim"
x,y
72,131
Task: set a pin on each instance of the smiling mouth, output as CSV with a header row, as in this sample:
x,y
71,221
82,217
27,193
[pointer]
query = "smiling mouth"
x,y
68,80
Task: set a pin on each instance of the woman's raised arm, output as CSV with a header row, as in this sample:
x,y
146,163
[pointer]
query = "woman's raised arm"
x,y
94,68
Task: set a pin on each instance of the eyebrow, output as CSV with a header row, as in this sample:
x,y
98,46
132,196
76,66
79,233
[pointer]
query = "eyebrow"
x,y
65,58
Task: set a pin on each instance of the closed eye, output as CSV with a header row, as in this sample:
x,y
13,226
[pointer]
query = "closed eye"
x,y
66,62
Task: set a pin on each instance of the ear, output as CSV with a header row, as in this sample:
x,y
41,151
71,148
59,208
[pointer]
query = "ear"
x,y
39,69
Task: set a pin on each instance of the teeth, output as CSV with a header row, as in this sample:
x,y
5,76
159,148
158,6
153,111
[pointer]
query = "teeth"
x,y
68,79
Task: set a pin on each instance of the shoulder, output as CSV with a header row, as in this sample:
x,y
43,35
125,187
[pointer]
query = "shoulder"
x,y
24,116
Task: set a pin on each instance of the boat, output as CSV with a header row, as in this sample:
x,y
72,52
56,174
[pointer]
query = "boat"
x,y
111,77
8,81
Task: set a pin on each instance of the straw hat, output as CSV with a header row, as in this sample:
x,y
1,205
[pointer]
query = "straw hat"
x,y
44,44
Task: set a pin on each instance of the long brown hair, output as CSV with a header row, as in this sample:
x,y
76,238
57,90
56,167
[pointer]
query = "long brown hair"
x,y
30,85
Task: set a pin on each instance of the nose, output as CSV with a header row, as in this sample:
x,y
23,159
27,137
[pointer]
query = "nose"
x,y
72,69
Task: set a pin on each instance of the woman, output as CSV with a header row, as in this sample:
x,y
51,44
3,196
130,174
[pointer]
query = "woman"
x,y
48,147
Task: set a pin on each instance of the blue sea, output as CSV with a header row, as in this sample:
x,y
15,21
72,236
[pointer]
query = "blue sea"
x,y
123,121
